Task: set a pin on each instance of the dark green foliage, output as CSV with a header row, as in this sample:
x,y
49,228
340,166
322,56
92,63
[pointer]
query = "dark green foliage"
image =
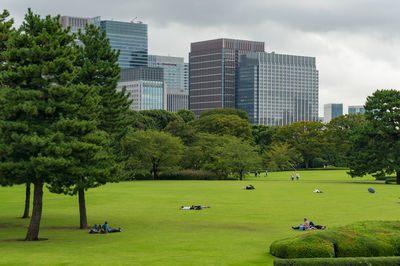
x,y
224,124
306,137
339,133
97,66
161,117
151,152
186,115
190,175
226,111
139,121
376,146
182,130
47,124
262,135
281,156
362,261
363,239
5,31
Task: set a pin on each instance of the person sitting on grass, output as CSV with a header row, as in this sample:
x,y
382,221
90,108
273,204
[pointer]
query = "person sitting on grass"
x,y
308,226
106,229
249,187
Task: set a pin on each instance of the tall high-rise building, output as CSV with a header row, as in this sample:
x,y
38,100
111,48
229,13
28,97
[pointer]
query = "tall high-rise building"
x,y
130,38
212,66
174,79
146,87
332,110
277,89
356,109
76,23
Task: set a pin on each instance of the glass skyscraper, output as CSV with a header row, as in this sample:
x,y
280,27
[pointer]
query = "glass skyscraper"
x,y
277,89
146,87
174,79
130,39
356,109
213,65
332,110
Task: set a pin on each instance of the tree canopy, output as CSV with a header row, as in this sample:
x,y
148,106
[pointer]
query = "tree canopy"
x,y
376,147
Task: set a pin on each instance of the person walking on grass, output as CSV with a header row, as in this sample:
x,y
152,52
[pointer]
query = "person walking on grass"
x,y
297,176
291,177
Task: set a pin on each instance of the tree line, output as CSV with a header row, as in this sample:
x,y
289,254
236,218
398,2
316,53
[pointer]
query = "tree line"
x,y
64,125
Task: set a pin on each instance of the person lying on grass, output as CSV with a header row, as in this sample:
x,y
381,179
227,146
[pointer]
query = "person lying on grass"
x,y
308,226
249,187
194,207
103,229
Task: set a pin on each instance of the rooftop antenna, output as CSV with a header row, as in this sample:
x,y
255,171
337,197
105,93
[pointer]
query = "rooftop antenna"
x,y
133,20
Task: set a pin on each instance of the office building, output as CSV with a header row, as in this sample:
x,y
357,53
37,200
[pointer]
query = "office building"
x,y
356,109
332,110
146,87
212,66
76,23
174,80
277,89
130,38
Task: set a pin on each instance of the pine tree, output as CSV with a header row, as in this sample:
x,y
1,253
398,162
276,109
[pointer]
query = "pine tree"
x,y
48,124
97,66
5,32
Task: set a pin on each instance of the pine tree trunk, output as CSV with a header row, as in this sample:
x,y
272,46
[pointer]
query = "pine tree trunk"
x,y
27,200
397,177
82,210
34,226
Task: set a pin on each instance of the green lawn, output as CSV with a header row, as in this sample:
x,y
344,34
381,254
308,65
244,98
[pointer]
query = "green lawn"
x,y
237,230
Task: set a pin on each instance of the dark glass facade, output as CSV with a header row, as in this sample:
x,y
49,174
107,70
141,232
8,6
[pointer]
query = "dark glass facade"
x,y
212,67
130,39
277,89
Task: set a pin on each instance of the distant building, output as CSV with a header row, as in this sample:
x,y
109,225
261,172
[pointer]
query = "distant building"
x,y
332,110
146,87
277,89
76,23
356,109
212,66
175,80
130,39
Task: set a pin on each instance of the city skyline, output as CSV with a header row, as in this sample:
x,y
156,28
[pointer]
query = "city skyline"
x,y
355,49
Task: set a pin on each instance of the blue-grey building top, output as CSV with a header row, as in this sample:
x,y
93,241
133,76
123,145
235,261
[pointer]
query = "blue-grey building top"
x,y
130,39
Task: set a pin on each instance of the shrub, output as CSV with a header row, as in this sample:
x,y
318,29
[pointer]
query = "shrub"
x,y
370,261
189,175
363,239
309,247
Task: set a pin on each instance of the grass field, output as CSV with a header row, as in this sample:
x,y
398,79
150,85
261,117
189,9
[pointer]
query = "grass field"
x,y
236,230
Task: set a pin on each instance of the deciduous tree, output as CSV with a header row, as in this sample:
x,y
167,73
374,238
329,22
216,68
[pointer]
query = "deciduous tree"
x,y
152,152
376,147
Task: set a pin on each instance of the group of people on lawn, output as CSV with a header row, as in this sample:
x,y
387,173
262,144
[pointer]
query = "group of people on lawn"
x,y
308,225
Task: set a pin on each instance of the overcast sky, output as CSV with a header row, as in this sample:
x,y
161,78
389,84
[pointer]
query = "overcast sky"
x,y
356,42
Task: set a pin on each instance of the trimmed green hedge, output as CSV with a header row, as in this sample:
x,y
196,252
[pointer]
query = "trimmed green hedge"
x,y
363,239
370,261
190,175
